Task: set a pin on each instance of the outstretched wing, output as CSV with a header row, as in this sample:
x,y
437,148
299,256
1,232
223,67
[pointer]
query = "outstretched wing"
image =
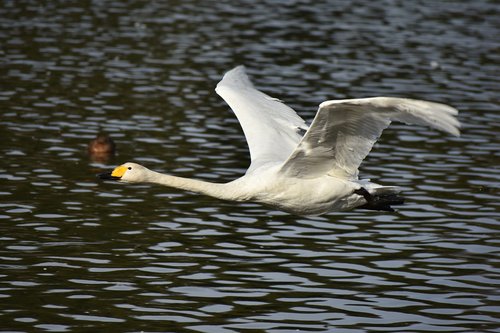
x,y
344,131
272,129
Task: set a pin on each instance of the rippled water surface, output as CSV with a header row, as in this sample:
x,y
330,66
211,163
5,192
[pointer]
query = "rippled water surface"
x,y
80,255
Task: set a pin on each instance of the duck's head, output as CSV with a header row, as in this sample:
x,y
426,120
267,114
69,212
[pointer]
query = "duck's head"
x,y
102,144
128,172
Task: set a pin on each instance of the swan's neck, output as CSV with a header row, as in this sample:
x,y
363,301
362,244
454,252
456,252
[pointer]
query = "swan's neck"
x,y
226,191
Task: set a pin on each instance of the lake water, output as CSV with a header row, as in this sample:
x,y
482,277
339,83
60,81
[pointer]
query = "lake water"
x,y
80,255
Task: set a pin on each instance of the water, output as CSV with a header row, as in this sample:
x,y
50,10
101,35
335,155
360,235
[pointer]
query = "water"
x,y
79,255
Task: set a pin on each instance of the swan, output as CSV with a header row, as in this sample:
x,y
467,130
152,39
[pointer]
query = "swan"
x,y
300,169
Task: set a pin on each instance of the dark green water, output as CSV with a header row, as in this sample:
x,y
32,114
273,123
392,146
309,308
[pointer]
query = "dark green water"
x,y
79,255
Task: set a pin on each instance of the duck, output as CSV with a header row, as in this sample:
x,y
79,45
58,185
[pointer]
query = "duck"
x,y
101,148
304,169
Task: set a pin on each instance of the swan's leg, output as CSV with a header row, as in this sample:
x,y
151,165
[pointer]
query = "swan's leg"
x,y
379,202
364,193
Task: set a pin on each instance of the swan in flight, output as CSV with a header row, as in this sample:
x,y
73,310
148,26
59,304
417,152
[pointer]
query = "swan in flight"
x,y
300,169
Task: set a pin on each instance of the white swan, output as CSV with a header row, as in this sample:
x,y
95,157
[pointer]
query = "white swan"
x,y
299,169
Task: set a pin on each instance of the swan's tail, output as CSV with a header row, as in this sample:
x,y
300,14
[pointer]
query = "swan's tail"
x,y
380,198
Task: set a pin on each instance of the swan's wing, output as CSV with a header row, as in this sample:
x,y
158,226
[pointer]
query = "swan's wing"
x,y
272,129
344,131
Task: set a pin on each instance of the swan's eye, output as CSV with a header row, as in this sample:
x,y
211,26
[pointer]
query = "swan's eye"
x,y
130,168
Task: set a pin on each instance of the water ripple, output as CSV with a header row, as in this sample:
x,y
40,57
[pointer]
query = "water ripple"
x,y
81,255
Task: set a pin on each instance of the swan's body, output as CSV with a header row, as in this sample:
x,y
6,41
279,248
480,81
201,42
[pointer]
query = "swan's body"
x,y
311,173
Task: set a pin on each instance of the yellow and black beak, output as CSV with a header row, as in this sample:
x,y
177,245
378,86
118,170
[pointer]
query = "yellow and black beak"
x,y
107,176
116,174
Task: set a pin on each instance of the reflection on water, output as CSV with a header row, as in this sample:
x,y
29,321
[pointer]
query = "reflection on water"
x,y
80,255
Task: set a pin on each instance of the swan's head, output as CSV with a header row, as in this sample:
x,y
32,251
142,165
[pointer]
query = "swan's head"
x,y
128,172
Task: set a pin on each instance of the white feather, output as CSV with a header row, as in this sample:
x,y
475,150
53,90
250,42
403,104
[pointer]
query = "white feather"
x,y
271,128
344,131
308,175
